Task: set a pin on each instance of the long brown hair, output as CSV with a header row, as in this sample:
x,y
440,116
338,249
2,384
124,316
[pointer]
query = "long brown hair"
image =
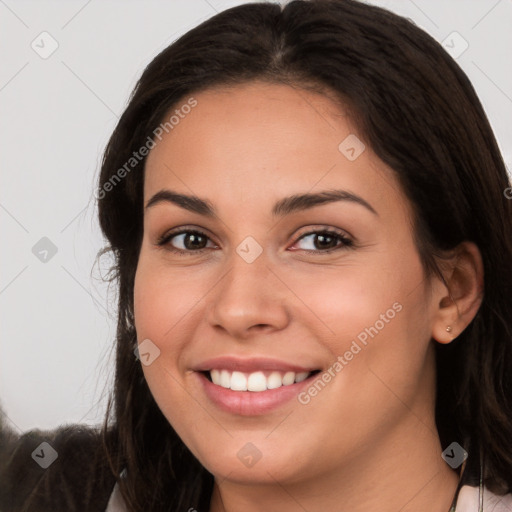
x,y
421,116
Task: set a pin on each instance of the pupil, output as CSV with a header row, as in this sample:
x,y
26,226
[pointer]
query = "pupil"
x,y
327,238
193,238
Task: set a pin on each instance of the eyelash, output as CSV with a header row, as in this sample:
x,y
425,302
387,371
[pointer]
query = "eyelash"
x,y
347,243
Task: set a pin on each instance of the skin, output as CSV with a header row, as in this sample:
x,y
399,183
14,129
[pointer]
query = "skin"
x,y
368,440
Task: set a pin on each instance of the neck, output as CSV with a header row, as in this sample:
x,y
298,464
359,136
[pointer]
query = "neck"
x,y
403,473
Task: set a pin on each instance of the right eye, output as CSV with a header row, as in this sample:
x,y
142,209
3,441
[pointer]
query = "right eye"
x,y
190,240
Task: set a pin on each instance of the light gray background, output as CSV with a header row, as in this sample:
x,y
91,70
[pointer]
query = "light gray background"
x,y
57,323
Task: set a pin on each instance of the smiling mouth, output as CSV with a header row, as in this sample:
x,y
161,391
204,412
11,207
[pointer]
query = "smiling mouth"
x,y
255,381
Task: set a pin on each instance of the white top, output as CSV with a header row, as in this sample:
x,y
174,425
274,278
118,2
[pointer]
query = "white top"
x,y
116,502
467,501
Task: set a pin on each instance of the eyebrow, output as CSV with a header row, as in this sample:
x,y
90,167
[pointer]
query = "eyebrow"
x,y
283,207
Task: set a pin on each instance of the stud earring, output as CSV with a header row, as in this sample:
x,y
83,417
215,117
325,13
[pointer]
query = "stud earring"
x,y
449,328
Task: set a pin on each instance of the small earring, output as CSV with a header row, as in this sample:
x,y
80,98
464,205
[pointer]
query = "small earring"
x,y
449,328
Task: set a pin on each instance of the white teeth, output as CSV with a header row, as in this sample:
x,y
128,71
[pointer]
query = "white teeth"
x,y
238,381
255,381
274,380
215,375
289,378
225,379
301,376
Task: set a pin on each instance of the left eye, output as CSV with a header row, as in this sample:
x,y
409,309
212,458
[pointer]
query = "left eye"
x,y
325,241
196,241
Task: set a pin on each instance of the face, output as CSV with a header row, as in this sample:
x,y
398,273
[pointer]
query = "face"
x,y
319,306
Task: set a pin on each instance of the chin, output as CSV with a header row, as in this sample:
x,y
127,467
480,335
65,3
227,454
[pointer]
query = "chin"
x,y
253,462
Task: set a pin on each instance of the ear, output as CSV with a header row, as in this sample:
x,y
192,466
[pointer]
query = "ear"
x,y
457,302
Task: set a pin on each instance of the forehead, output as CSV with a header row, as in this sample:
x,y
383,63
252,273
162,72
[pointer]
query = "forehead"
x,y
253,119
260,141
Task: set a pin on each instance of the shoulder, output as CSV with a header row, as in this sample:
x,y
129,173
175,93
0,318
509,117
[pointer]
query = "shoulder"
x,y
52,470
469,499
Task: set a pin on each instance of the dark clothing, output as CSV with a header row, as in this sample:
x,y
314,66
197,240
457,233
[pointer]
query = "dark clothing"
x,y
79,479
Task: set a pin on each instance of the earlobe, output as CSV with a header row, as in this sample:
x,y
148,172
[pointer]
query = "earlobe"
x,y
444,337
459,300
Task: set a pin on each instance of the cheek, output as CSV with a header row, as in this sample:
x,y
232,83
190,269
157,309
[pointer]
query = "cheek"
x,y
159,305
167,309
374,313
342,301
163,300
392,328
157,308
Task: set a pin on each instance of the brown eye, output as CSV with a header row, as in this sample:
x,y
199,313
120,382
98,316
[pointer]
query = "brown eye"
x,y
324,241
194,241
184,241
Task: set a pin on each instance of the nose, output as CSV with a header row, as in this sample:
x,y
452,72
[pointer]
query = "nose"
x,y
249,299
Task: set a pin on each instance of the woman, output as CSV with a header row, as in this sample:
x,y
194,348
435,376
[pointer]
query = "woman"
x,y
308,213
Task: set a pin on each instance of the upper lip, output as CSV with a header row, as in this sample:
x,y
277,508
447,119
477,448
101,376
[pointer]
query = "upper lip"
x,y
250,365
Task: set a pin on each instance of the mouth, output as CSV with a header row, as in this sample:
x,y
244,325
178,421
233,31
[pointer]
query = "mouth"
x,y
256,381
253,393
252,386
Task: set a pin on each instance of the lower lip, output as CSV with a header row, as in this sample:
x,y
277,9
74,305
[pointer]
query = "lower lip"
x,y
251,403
